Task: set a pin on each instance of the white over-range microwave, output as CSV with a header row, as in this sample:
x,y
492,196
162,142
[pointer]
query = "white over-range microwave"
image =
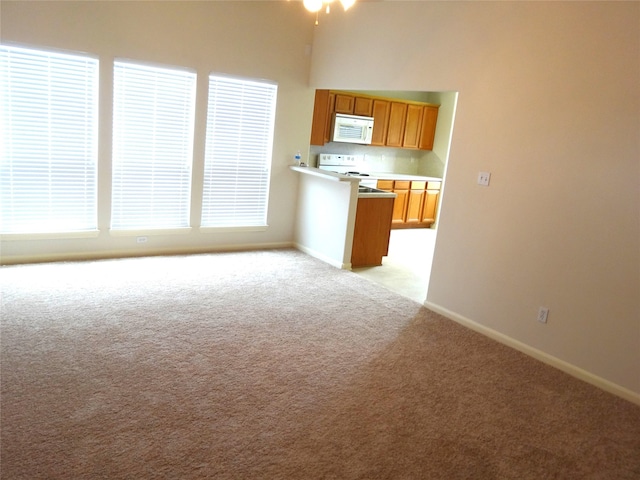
x,y
352,129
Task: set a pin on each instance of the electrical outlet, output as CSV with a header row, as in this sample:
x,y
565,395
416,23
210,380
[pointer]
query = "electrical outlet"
x,y
141,239
483,178
543,314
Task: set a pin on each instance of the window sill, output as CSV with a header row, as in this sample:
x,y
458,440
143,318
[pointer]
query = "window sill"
x,y
49,235
256,228
150,231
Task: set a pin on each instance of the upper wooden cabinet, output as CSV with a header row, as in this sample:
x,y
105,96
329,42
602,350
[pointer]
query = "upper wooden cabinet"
x,y
397,119
321,115
363,106
380,114
413,126
428,128
397,123
344,104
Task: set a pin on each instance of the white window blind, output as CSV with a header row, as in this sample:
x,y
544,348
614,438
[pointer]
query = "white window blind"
x,y
153,115
48,123
239,141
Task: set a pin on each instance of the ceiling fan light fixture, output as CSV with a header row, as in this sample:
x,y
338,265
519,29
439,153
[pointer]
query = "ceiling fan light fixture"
x,y
312,5
347,4
316,5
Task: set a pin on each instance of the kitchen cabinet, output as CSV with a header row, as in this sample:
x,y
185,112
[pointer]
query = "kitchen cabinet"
x,y
372,231
401,189
428,127
344,104
430,207
329,119
380,113
386,185
363,106
416,202
412,126
397,119
397,123
321,118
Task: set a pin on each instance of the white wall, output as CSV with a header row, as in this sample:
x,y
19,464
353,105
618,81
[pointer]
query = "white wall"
x,y
326,217
254,39
549,104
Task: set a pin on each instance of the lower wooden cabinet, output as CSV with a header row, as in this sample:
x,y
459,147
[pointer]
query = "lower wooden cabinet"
x,y
416,202
431,199
372,231
401,189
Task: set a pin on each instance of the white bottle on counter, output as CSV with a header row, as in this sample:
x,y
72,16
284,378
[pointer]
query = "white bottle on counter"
x,y
298,160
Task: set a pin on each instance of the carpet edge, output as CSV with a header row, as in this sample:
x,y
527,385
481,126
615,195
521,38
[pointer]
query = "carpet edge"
x,y
566,367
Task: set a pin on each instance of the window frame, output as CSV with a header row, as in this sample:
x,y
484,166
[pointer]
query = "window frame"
x,y
91,78
267,162
187,161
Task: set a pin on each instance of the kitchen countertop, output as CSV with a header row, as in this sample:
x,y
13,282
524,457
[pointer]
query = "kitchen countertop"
x,y
372,175
337,177
400,176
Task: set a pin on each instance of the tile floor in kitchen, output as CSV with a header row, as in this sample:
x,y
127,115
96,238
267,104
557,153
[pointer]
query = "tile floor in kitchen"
x,y
407,268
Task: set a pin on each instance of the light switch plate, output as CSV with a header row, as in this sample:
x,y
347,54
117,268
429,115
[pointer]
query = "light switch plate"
x,y
483,178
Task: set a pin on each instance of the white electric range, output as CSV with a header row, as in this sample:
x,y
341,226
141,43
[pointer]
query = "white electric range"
x,y
352,165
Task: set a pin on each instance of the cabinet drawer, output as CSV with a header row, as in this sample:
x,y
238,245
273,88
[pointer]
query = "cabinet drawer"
x,y
401,185
385,184
418,185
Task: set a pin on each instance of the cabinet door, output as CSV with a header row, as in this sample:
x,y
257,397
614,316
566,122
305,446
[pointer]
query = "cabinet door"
x,y
414,206
415,202
380,113
329,121
413,126
401,189
320,115
372,230
397,118
430,208
428,128
344,103
399,206
363,106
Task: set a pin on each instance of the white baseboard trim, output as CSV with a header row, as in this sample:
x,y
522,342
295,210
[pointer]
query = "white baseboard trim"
x,y
320,256
544,357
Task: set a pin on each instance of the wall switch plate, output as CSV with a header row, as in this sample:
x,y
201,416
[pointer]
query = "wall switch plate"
x,y
543,314
141,239
483,178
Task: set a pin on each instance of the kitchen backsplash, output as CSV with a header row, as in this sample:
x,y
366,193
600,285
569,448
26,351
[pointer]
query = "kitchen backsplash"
x,y
385,159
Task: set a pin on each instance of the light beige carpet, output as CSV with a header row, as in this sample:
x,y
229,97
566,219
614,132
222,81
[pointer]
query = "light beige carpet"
x,y
273,365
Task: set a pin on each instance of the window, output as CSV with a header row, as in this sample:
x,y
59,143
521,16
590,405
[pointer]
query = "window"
x,y
153,115
238,148
48,124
